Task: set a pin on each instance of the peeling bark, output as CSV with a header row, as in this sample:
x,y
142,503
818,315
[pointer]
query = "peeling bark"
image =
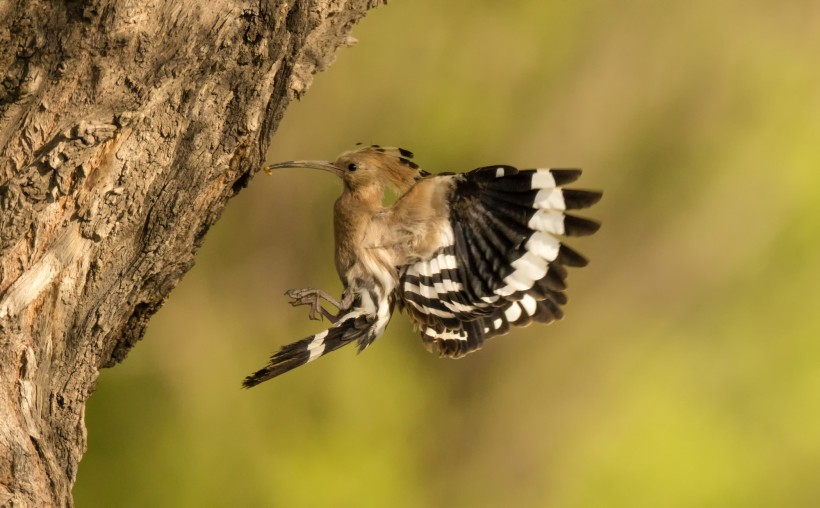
x,y
125,127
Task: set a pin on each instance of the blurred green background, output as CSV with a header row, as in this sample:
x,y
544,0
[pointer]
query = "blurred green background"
x,y
687,370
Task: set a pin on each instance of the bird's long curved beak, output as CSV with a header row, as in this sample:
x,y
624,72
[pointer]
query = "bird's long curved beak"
x,y
323,165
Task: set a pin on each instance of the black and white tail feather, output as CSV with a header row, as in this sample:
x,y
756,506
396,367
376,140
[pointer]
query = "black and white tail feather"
x,y
501,262
363,324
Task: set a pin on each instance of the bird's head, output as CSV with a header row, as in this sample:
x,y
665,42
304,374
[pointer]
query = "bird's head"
x,y
367,167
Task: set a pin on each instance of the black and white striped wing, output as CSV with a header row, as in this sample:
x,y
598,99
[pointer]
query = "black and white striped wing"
x,y
501,262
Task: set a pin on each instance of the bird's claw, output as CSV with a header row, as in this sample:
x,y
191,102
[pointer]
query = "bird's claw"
x,y
301,294
311,297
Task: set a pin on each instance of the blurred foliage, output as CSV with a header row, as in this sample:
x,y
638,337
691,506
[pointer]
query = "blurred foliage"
x,y
687,371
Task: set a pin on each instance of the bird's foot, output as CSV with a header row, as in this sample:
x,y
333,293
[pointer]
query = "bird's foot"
x,y
313,298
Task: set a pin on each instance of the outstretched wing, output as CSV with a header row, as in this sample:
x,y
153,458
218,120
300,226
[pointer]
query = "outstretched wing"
x,y
501,263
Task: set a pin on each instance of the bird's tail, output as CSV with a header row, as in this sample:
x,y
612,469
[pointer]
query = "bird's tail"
x,y
356,325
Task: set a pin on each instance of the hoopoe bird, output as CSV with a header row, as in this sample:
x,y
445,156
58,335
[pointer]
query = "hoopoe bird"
x,y
467,256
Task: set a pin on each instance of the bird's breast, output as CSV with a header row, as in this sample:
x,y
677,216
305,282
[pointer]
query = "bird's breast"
x,y
363,261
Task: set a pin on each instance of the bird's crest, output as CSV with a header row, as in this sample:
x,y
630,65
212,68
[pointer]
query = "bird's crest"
x,y
403,155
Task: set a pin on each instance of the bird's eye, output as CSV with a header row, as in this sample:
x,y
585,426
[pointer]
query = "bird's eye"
x,y
352,166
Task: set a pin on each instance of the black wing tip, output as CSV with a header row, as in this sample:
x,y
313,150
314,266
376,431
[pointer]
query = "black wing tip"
x,y
570,257
580,226
575,199
451,348
548,311
563,176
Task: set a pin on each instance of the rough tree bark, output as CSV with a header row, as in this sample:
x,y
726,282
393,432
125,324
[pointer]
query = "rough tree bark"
x,y
125,127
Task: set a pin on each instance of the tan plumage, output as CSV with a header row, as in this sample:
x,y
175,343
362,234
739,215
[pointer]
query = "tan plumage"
x,y
466,255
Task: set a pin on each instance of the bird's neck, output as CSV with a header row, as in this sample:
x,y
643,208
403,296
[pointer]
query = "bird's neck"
x,y
354,212
365,198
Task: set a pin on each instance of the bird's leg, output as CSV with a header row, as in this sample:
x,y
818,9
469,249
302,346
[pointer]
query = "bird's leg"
x,y
313,297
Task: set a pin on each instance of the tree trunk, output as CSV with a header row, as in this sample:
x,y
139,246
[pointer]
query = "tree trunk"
x,y
125,127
